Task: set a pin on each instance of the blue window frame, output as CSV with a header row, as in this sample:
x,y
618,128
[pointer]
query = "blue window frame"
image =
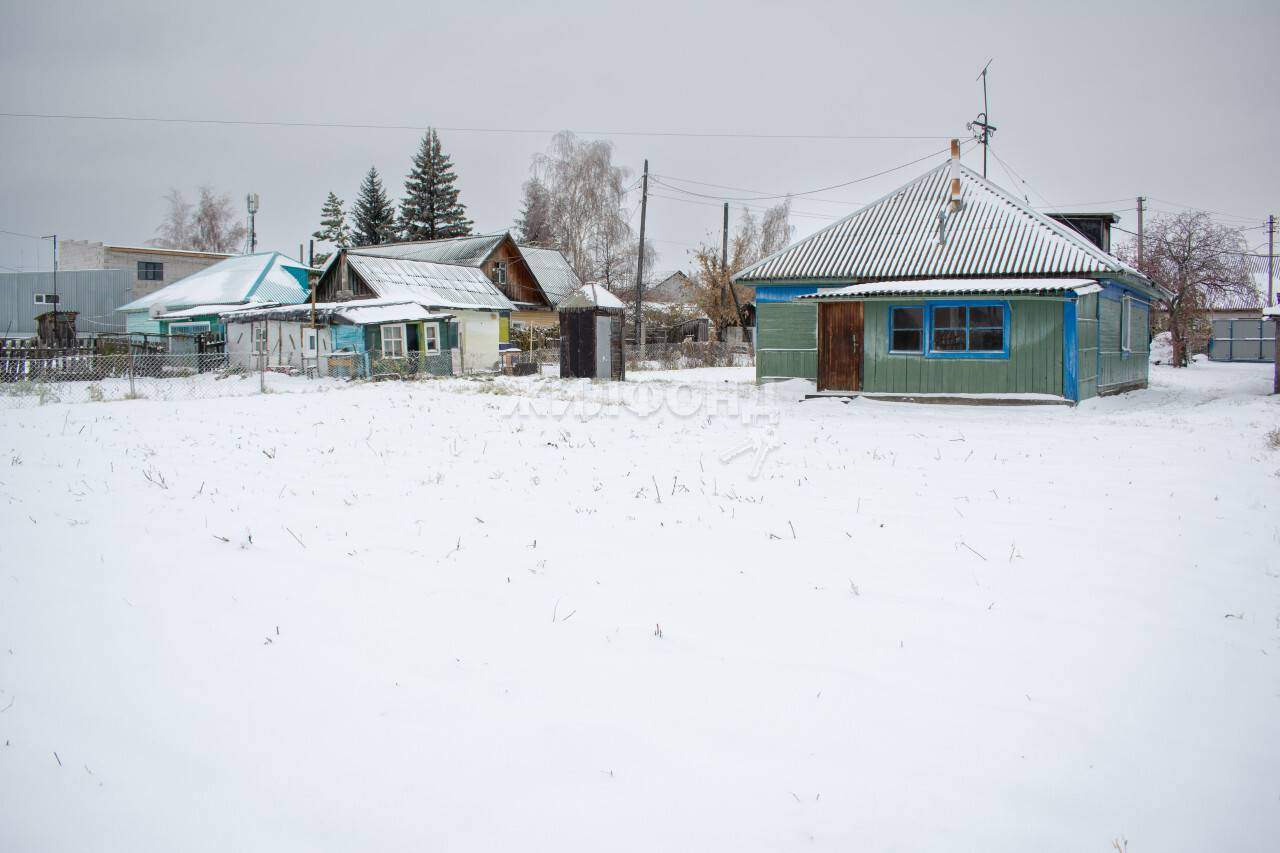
x,y
968,329
906,328
973,328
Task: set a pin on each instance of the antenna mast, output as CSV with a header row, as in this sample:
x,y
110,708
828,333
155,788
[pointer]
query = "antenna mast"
x,y
982,124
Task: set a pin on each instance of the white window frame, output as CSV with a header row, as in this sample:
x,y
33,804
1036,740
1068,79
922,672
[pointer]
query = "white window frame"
x,y
1126,323
500,272
399,340
430,337
260,334
45,299
198,327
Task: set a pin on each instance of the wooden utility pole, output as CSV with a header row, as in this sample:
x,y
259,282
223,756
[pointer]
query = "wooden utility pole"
x,y
1141,201
644,203
1271,262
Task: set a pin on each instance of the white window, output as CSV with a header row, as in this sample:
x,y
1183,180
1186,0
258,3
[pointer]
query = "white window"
x,y
1126,324
189,328
46,299
500,272
310,337
260,338
431,338
393,341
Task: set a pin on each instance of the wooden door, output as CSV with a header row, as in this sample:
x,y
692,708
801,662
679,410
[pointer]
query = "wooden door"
x,y
839,346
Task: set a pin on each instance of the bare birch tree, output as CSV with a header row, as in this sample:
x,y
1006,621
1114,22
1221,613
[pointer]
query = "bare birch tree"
x,y
576,200
210,225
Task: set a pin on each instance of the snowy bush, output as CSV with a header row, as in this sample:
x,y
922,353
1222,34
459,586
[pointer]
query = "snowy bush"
x,y
1162,348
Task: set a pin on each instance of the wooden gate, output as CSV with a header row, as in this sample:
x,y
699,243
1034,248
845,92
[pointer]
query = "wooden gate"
x,y
839,346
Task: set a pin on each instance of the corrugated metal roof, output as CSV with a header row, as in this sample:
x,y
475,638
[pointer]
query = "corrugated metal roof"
x,y
556,278
264,277
431,284
953,286
468,251
993,234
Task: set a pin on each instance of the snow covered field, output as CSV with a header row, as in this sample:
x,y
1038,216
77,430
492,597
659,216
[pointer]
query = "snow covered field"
x,y
682,613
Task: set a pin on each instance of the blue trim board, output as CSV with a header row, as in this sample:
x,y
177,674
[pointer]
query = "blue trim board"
x,y
783,292
265,269
1070,353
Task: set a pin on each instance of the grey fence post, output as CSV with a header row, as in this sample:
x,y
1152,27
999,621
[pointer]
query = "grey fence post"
x,y
132,390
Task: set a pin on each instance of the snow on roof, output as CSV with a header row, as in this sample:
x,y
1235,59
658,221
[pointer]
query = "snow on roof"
x,y
994,233
403,312
358,312
264,277
552,272
942,286
592,296
431,284
204,310
1271,311
467,251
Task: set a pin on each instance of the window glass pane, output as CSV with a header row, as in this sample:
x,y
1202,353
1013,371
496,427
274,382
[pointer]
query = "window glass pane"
x,y
949,318
986,340
948,340
986,315
907,340
908,318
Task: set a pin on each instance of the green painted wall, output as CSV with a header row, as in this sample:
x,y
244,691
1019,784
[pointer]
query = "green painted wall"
x,y
140,322
786,341
1087,345
1034,365
1115,367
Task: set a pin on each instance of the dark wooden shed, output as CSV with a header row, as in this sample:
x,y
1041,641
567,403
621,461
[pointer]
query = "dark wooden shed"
x,y
591,322
56,328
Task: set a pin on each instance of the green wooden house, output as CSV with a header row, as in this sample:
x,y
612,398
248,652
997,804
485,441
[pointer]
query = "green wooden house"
x,y
951,288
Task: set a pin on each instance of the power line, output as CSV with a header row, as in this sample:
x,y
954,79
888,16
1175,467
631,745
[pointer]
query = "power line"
x,y
850,182
344,125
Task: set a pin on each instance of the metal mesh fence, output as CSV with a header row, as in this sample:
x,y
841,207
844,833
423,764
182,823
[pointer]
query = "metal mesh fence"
x,y
84,378
196,376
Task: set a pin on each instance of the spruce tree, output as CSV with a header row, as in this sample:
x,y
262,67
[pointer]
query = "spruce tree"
x,y
333,223
373,215
431,210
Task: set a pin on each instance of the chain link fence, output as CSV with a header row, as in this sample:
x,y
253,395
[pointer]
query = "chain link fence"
x,y
82,377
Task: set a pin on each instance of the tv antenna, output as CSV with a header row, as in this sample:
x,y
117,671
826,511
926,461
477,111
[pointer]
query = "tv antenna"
x,y
981,127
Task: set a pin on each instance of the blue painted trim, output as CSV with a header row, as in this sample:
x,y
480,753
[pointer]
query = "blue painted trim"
x,y
931,305
1070,352
1115,292
782,292
924,311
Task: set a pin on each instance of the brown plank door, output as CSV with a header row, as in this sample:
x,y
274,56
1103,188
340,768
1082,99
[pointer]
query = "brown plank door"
x,y
839,346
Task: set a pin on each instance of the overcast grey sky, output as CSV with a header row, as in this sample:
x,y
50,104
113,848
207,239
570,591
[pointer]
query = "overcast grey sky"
x,y
1095,102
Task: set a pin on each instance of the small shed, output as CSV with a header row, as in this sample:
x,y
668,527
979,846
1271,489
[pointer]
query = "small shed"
x,y
591,322
56,328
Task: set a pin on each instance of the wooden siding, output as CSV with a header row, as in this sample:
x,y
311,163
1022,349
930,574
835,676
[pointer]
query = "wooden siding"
x,y
521,286
1118,370
786,341
1087,346
1034,365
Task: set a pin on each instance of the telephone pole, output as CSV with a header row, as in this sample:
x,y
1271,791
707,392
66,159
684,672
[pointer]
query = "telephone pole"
x,y
644,203
54,238
1141,202
724,269
1271,261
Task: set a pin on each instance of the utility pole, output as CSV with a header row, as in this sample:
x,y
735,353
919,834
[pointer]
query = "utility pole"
x,y
644,203
982,123
1271,262
54,238
1141,203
